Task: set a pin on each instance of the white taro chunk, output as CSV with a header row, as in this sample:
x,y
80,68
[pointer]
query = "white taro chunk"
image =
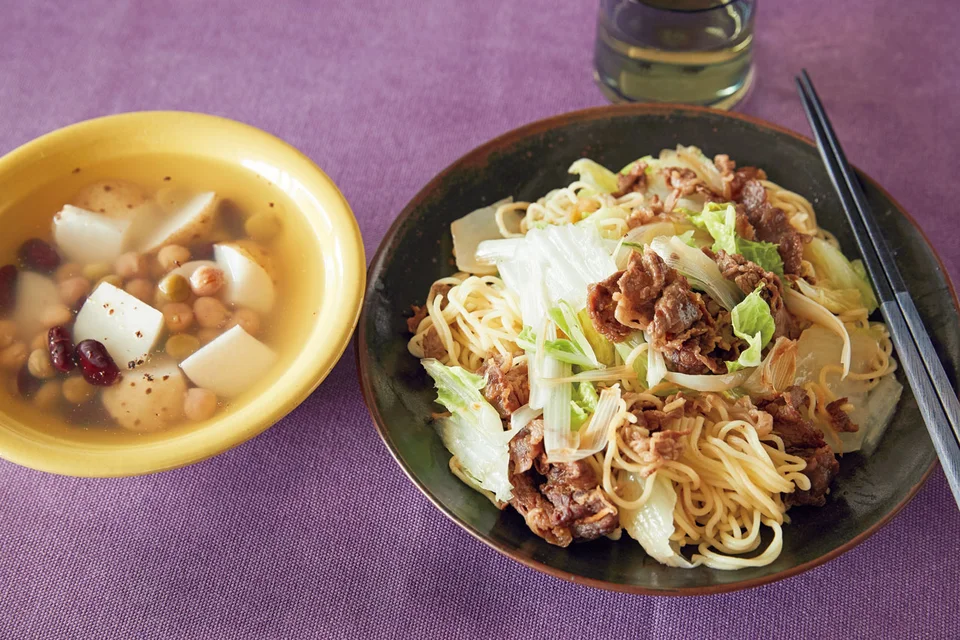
x,y
189,223
230,364
129,328
87,237
35,294
149,398
248,284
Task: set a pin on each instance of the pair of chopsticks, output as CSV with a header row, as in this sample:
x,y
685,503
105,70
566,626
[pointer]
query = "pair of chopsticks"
x,y
931,387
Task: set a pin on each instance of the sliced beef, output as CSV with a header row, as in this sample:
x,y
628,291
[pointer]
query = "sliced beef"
x,y
635,180
743,227
651,211
433,345
508,387
802,438
653,297
419,313
771,225
561,502
677,310
681,179
839,419
748,276
602,307
653,448
526,447
733,178
640,285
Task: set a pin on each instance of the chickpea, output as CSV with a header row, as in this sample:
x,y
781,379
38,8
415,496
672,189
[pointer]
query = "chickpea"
x,y
39,341
68,271
210,313
207,281
131,265
47,395
96,272
8,331
199,404
181,346
13,357
175,288
113,279
173,256
39,364
248,319
206,336
77,390
178,316
141,288
156,269
72,289
262,227
55,314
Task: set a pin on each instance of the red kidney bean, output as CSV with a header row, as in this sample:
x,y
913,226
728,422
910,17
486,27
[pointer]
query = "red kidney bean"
x,y
60,345
98,367
38,255
27,385
8,288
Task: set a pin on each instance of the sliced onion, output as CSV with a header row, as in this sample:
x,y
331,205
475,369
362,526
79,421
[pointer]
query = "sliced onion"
x,y
656,366
777,371
610,374
523,416
703,273
594,435
714,383
557,434
803,307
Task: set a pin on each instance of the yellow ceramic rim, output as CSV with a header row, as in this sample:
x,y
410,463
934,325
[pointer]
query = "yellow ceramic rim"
x,y
320,351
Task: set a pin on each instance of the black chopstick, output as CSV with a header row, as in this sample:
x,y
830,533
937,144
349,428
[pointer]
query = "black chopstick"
x,y
935,395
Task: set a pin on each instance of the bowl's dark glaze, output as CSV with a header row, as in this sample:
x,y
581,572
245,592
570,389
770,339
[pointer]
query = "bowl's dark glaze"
x,y
528,162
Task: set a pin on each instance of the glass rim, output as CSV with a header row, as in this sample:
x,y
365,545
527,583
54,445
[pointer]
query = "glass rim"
x,y
722,5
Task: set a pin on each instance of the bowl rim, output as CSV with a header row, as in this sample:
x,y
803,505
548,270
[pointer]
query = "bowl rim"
x,y
338,334
546,124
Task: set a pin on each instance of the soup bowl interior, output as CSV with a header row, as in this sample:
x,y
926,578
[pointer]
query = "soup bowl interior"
x,y
527,163
319,281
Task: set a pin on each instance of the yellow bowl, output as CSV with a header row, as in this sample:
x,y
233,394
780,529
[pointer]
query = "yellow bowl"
x,y
326,260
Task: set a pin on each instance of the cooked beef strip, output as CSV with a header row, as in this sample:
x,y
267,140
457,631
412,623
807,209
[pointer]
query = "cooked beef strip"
x,y
771,225
507,389
802,438
561,502
839,419
640,285
653,297
743,227
635,180
747,276
601,307
651,211
734,178
433,345
419,313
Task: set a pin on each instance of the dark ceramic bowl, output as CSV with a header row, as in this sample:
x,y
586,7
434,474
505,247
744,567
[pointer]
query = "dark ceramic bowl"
x,y
528,162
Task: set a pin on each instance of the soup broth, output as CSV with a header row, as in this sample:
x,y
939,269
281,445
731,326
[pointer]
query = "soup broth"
x,y
223,329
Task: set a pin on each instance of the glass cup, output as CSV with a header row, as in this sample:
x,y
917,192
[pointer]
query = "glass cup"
x,y
689,51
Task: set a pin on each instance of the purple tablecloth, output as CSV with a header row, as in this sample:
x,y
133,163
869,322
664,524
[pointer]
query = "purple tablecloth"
x,y
311,530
